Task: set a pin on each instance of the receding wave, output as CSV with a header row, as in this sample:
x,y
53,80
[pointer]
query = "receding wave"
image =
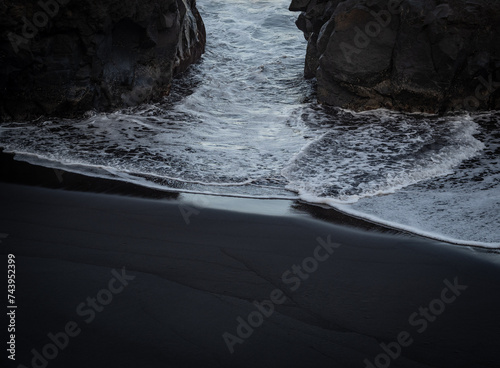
x,y
244,123
380,153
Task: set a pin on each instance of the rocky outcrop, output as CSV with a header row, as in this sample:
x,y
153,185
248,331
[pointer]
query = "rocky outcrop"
x,y
64,57
409,55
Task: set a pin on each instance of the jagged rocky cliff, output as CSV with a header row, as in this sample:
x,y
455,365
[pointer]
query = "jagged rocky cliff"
x,y
65,57
410,55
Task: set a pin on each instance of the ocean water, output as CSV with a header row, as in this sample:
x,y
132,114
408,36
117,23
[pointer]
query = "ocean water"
x,y
244,122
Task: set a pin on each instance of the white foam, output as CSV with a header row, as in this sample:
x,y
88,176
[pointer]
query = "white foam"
x,y
399,225
382,156
240,125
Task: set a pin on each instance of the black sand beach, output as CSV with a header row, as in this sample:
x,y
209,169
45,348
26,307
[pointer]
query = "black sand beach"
x,y
388,109
151,280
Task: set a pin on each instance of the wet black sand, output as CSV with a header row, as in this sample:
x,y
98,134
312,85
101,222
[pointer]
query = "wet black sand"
x,y
184,283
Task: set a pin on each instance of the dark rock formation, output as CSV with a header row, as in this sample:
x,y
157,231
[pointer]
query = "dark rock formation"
x,y
410,55
65,57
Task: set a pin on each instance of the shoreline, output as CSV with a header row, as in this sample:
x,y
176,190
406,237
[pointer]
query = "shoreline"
x,y
24,173
21,172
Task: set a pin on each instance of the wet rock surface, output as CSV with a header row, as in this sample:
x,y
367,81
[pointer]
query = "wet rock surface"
x,y
430,56
65,57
